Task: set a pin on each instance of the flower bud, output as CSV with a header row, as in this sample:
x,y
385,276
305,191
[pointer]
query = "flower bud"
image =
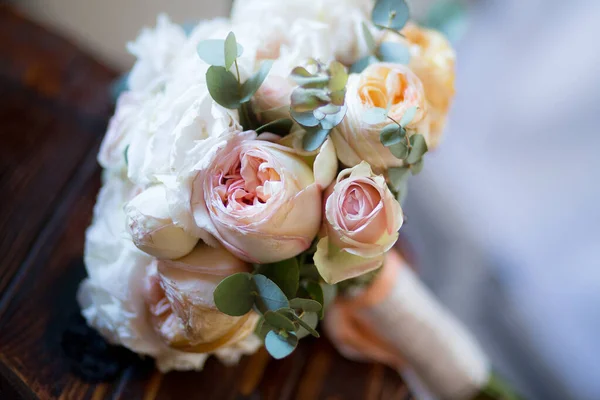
x,y
152,229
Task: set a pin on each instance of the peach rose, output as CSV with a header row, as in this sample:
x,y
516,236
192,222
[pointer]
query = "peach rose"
x,y
181,305
383,85
259,199
361,223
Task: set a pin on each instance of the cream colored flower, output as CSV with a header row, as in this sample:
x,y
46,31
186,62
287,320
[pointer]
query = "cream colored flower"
x,y
383,85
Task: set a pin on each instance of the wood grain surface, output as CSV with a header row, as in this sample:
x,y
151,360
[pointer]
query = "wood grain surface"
x,y
54,107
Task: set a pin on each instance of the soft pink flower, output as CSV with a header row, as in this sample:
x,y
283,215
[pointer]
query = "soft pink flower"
x,y
362,219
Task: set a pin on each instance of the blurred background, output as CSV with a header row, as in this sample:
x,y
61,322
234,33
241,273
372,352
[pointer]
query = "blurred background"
x,y
505,218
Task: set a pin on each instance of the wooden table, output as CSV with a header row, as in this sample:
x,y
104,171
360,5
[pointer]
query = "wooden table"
x,y
54,107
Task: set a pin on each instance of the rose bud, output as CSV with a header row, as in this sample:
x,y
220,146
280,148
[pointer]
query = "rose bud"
x,y
180,300
383,85
151,227
432,60
361,223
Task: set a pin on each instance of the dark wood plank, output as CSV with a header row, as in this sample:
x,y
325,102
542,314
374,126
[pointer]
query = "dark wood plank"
x,y
54,106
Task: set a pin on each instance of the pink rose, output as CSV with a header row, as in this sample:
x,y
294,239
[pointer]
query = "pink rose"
x,y
259,199
361,223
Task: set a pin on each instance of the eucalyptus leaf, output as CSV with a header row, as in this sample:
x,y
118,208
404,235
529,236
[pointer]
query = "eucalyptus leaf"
x,y
279,346
390,135
316,292
262,329
269,296
330,109
362,63
230,50
233,296
399,150
338,97
418,148
313,82
284,274
416,167
398,176
408,116
393,52
369,40
375,115
279,321
390,14
338,76
306,119
314,138
332,120
300,72
307,324
308,99
253,83
279,127
212,51
223,87
306,304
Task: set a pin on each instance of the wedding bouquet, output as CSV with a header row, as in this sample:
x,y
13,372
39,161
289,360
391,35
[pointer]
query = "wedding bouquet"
x,y
253,177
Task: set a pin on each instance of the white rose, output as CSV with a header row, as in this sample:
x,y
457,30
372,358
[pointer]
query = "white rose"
x,y
151,227
155,50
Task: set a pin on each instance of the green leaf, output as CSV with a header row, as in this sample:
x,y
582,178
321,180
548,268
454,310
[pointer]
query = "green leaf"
x,y
308,99
279,346
223,87
316,292
284,274
332,120
253,83
269,296
306,304
233,296
362,63
369,40
390,135
393,52
419,147
230,50
398,176
279,127
338,76
262,329
314,138
279,321
212,51
338,98
374,115
307,324
416,167
409,115
329,293
390,14
399,150
306,119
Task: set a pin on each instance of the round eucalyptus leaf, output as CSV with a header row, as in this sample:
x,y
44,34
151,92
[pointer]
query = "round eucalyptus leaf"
x,y
212,51
369,39
375,115
362,63
408,116
262,329
285,274
306,304
304,100
418,149
417,167
393,52
314,138
253,83
230,50
223,87
315,291
390,135
306,119
338,76
233,296
269,296
279,321
332,120
398,176
278,346
399,150
390,13
307,324
338,97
